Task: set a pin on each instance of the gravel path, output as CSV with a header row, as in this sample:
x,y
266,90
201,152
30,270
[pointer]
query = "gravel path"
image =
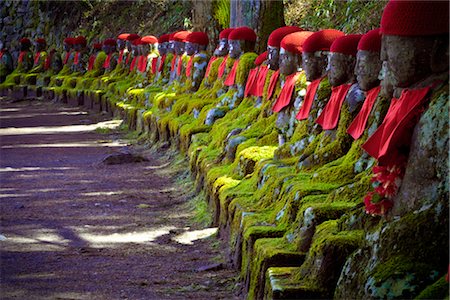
x,y
74,227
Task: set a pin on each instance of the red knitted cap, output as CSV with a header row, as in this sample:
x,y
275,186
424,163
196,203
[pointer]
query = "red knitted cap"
x,y
242,33
80,40
415,18
347,44
69,40
278,34
25,41
132,36
181,36
321,40
149,39
198,37
371,41
97,46
293,42
261,58
123,36
110,42
164,38
225,33
40,41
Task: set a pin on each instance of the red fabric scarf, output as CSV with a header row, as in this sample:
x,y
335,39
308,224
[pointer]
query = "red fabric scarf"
x,y
232,76
329,117
311,90
356,129
260,81
174,60
36,58
396,129
154,64
208,68
1,53
91,61
133,63
286,92
66,58
222,67
48,60
142,64
21,56
250,82
272,83
127,61
161,63
76,59
120,56
107,61
189,66
180,64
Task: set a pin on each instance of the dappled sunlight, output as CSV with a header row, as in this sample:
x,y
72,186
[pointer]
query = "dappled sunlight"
x,y
2,110
15,195
67,145
89,194
112,124
30,169
36,240
31,115
189,237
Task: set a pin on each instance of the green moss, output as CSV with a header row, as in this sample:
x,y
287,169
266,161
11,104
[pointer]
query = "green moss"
x,y
221,12
246,63
437,290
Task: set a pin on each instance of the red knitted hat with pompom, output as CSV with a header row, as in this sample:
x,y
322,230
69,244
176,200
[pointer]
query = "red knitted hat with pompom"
x,y
149,39
69,40
293,42
181,36
132,36
225,33
415,18
164,38
123,36
198,37
242,33
80,40
371,41
347,44
41,41
110,42
321,40
278,34
261,58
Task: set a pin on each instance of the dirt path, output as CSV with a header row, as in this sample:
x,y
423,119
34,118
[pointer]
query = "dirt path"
x,y
73,227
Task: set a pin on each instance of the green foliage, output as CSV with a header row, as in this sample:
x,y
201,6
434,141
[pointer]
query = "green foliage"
x,y
221,9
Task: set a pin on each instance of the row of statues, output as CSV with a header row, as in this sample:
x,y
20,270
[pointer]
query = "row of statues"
x,y
349,117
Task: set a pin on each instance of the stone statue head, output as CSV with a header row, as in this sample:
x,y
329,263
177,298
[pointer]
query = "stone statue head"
x,y
178,47
368,62
120,44
222,48
241,40
68,44
289,62
291,52
195,42
342,60
191,48
162,48
273,56
273,44
40,45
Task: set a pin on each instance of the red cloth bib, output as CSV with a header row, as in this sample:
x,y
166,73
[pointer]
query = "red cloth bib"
x,y
356,128
66,58
397,125
250,82
311,90
133,63
180,64
329,117
48,60
1,53
161,63
107,61
172,64
128,58
76,59
222,67
260,81
208,68
36,58
189,66
232,76
142,63
21,55
120,56
285,96
91,61
272,83
154,64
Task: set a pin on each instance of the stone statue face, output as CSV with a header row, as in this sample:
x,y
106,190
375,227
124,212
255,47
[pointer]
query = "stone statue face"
x,y
162,48
105,48
273,57
367,69
314,64
222,48
77,47
66,47
235,48
178,47
129,45
191,48
289,62
408,58
39,47
120,44
340,68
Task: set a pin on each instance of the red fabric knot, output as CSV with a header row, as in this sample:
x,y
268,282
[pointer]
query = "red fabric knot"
x,y
356,128
76,59
172,64
272,83
133,63
222,66
189,66
232,76
397,125
66,58
21,55
120,55
36,58
208,68
329,117
260,81
161,63
311,90
154,65
250,82
179,65
286,92
107,61
91,62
